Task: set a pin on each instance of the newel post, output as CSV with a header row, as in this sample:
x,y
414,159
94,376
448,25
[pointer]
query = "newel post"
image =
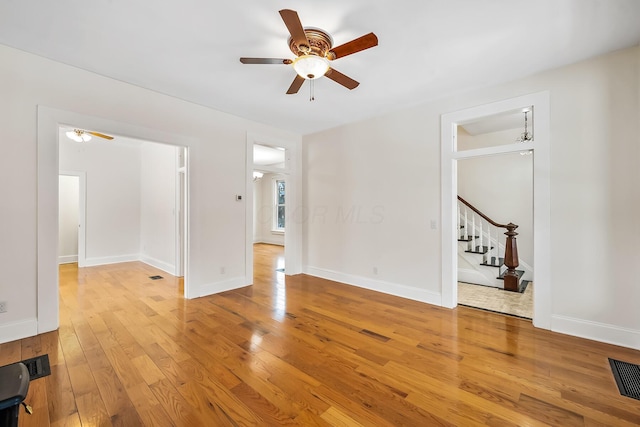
x,y
511,259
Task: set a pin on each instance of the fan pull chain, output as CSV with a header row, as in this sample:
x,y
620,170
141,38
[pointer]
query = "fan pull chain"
x,y
312,96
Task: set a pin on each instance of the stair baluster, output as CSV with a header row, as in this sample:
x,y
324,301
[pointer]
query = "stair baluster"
x,y
473,231
466,224
487,257
481,243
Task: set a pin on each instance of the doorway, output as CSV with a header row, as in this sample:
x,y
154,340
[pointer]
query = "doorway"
x,y
135,200
71,217
270,201
451,155
275,160
49,121
501,188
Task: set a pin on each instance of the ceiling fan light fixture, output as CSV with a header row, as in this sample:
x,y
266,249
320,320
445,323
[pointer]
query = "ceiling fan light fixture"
x,y
78,135
72,135
310,67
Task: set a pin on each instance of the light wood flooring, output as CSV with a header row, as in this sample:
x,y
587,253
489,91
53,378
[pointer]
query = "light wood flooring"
x,y
498,300
301,351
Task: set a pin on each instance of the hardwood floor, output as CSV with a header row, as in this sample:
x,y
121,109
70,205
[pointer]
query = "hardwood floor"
x,y
304,351
498,300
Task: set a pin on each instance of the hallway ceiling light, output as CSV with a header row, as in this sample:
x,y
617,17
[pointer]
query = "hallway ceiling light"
x,y
525,136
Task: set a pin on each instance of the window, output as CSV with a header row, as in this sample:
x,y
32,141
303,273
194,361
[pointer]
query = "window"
x,y
279,211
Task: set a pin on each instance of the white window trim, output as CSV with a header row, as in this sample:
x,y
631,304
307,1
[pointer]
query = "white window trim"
x,y
274,224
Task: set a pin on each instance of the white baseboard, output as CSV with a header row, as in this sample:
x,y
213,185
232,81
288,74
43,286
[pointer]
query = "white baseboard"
x,y
217,287
18,330
270,241
92,262
596,331
67,259
164,266
395,289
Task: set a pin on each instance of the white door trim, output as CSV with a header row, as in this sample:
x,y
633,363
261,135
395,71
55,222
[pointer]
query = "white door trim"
x,y
49,120
293,233
541,195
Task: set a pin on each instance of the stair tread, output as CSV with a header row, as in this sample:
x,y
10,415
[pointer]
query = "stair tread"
x,y
486,264
468,239
478,250
520,273
493,262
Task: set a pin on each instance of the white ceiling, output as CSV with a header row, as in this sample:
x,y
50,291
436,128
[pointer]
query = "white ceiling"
x,y
268,156
499,122
428,49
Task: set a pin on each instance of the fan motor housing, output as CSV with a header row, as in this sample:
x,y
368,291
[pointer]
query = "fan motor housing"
x,y
320,43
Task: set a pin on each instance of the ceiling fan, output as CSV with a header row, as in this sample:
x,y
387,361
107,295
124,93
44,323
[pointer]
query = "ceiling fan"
x,y
80,135
314,49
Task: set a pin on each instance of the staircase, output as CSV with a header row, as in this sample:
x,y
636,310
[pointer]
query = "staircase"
x,y
482,259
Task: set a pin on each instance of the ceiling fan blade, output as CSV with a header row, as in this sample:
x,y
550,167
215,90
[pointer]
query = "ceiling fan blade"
x,y
99,135
292,21
340,78
361,43
295,86
265,61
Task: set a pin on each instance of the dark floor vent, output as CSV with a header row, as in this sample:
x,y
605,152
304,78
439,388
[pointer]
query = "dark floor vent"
x,y
156,277
627,377
38,366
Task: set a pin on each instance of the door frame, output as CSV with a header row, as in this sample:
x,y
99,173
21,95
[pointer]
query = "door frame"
x,y
82,214
293,208
49,121
181,206
541,195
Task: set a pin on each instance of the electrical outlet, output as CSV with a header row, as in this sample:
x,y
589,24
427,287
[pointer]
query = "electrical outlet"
x,y
3,306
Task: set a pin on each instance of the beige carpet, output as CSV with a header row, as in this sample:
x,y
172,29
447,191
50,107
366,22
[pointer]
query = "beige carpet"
x,y
517,304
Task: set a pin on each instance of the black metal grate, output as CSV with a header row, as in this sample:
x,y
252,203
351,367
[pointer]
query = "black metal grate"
x,y
38,366
627,377
156,277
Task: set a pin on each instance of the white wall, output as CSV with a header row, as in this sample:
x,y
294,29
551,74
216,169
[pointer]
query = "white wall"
x,y
500,186
217,148
595,197
370,191
131,199
158,181
113,196
68,218
264,210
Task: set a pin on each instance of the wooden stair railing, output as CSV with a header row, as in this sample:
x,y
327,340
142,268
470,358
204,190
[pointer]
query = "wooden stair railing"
x,y
511,277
